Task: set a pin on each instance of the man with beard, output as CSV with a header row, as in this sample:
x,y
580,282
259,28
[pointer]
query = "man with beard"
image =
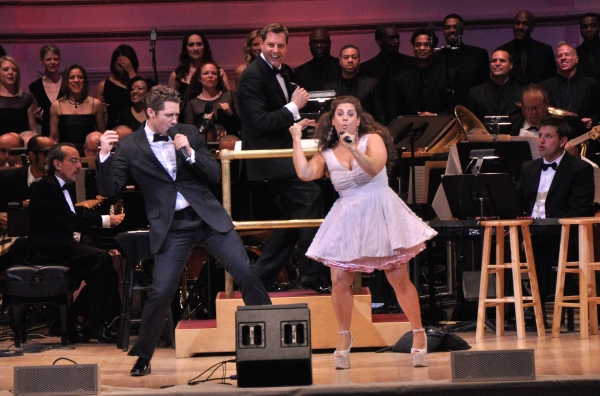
x,y
322,68
470,60
533,60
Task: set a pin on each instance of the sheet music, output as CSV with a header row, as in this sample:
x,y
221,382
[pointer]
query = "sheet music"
x,y
420,185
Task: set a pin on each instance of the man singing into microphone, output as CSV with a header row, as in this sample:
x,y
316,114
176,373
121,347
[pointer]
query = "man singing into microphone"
x,y
173,167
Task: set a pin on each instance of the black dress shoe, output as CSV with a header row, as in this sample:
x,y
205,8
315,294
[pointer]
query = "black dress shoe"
x,y
141,368
101,334
317,283
276,287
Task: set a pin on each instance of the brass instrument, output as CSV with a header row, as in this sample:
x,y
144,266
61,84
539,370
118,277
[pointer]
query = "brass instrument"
x,y
560,113
467,119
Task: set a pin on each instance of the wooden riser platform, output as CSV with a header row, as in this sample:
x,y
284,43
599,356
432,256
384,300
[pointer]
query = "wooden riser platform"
x,y
218,336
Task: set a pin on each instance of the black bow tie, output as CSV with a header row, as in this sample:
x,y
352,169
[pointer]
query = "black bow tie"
x,y
533,129
551,165
64,187
160,138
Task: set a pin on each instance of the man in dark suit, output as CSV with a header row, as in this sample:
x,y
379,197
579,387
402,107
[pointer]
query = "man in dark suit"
x,y
55,233
557,185
386,65
589,50
269,105
422,90
533,60
322,68
471,61
15,183
572,91
354,83
180,207
500,94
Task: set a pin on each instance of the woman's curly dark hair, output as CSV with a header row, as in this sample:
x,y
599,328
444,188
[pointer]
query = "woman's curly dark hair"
x,y
195,87
367,125
183,67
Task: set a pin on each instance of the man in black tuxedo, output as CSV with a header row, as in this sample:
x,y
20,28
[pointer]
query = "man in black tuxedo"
x,y
589,50
354,83
533,60
534,107
386,65
471,61
557,185
322,68
269,105
500,94
54,238
180,207
422,90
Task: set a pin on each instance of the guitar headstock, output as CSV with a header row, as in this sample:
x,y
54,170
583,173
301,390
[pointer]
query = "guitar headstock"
x,y
91,204
595,132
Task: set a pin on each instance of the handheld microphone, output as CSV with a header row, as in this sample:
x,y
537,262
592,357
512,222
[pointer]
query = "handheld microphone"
x,y
172,132
348,139
208,109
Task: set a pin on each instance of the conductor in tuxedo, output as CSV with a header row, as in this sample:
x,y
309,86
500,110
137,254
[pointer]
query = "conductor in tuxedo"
x,y
180,207
557,185
269,105
54,238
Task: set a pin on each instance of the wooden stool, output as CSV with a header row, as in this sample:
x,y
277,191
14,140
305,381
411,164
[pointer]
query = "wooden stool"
x,y
518,268
587,300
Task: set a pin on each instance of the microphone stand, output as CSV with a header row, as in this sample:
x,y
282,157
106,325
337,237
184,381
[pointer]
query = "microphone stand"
x,y
153,51
449,83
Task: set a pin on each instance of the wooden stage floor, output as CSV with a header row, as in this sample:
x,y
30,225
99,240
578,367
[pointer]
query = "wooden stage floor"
x,y
559,363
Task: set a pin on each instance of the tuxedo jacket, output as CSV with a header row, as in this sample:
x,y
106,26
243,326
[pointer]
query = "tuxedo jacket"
x,y
52,222
366,94
13,186
589,96
516,122
265,120
571,192
134,158
435,96
483,99
541,63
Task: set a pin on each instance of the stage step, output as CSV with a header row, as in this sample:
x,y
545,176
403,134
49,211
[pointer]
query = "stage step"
x,y
218,336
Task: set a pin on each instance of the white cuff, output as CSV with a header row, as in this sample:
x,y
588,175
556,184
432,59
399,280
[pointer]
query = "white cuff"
x,y
105,221
294,110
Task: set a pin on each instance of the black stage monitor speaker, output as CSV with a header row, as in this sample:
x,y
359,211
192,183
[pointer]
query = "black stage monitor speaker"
x,y
273,345
78,379
487,366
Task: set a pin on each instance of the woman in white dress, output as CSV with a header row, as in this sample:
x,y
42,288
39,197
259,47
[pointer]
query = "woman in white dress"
x,y
369,227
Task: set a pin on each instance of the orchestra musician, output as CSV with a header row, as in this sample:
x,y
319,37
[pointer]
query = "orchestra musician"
x,y
557,185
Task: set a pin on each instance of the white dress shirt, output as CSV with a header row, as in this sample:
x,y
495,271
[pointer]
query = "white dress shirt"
x,y
539,209
291,106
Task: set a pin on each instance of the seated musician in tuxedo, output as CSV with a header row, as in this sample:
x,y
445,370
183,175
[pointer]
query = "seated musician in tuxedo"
x,y
534,107
54,238
557,185
9,141
90,147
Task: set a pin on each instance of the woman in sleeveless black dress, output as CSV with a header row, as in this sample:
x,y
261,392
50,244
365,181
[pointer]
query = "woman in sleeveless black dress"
x,y
113,91
16,107
46,89
76,114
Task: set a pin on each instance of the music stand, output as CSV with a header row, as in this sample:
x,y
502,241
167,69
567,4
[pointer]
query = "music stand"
x,y
486,195
512,155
